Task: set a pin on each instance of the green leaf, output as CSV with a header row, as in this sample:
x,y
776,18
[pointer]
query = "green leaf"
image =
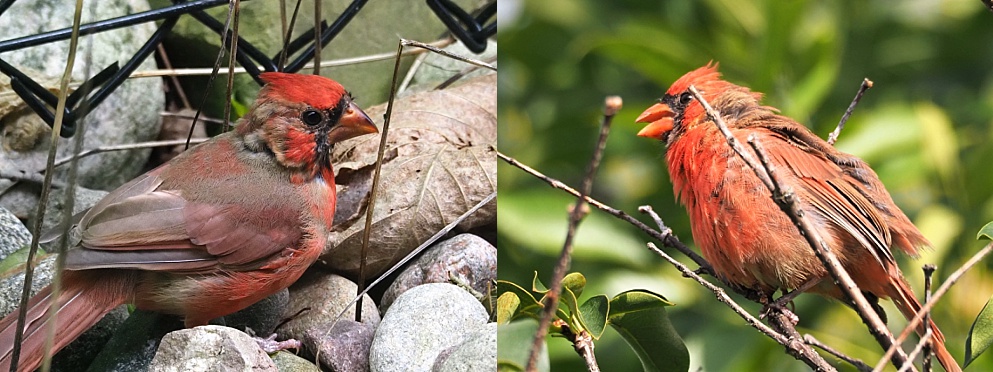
x,y
514,346
981,334
19,257
640,317
575,282
528,305
986,231
537,286
594,313
569,306
507,305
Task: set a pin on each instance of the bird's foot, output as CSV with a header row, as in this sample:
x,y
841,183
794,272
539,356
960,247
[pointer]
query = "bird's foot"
x,y
776,306
270,345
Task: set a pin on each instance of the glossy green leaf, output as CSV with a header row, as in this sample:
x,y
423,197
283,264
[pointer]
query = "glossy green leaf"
x,y
575,282
981,334
640,317
527,306
986,231
537,286
594,312
514,342
507,305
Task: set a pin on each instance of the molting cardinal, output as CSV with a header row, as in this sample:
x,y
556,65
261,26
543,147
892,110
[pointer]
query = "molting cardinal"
x,y
742,232
216,229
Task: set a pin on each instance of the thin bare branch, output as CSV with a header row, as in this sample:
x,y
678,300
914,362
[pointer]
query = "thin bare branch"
x,y
912,324
668,240
866,84
579,210
330,63
787,334
45,192
129,146
858,364
928,350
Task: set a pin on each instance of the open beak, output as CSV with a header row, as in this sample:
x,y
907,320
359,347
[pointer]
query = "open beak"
x,y
660,121
354,122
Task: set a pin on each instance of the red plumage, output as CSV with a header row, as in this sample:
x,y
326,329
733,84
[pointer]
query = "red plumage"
x,y
214,230
748,240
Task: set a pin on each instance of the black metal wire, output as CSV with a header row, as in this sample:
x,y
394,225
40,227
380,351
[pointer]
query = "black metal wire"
x,y
466,28
110,24
328,34
472,31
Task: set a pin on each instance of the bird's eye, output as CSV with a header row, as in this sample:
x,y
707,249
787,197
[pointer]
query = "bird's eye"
x,y
685,98
312,117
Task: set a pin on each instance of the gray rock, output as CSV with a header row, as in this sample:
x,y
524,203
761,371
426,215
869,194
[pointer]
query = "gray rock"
x,y
128,115
437,68
210,348
288,362
262,317
57,205
467,257
316,299
422,323
343,347
78,355
133,345
13,233
477,353
11,287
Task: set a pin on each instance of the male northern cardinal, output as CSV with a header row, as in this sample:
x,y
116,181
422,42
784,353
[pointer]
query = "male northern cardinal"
x,y
742,232
213,231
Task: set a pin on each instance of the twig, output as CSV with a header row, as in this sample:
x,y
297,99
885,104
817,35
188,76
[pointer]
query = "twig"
x,y
584,346
668,240
234,11
787,332
579,210
866,84
793,346
788,202
330,63
928,350
925,340
470,61
582,343
46,189
129,146
190,117
912,323
858,364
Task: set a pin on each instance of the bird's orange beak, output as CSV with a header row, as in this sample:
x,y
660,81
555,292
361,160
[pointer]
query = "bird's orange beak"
x,y
660,121
354,122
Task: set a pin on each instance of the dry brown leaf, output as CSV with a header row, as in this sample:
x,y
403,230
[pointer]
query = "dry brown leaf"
x,y
440,161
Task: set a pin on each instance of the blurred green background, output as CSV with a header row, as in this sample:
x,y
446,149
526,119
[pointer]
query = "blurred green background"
x,y
925,128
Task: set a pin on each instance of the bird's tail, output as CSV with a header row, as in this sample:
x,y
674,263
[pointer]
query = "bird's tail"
x,y
85,298
904,299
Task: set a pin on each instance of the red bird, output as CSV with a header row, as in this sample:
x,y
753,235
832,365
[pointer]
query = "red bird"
x,y
216,229
742,232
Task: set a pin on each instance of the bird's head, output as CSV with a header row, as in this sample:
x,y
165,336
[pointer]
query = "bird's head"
x,y
300,118
678,111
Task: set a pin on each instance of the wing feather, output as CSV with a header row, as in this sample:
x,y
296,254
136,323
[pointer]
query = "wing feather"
x,y
187,224
826,188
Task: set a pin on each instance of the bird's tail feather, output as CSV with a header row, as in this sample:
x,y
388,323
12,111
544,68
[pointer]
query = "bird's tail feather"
x,y
905,300
80,306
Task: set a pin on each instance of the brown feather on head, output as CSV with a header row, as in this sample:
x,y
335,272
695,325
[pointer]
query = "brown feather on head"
x,y
300,118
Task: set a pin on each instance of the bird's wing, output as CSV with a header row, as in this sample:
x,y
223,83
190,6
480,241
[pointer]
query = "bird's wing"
x,y
824,185
161,229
